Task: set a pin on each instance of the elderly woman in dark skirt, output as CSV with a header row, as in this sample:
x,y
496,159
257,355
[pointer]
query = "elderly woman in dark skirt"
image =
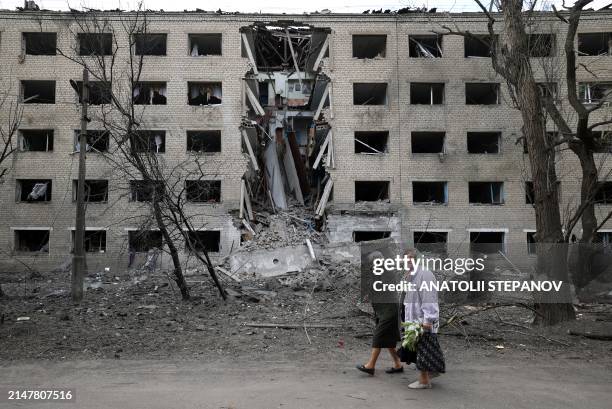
x,y
387,331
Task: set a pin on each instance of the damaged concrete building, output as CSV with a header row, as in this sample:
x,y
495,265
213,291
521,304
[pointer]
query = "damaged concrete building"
x,y
371,124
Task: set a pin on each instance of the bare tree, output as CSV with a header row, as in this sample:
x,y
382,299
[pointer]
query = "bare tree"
x,y
510,59
13,113
106,49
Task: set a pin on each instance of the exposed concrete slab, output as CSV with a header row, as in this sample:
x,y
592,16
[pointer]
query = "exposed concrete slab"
x,y
270,263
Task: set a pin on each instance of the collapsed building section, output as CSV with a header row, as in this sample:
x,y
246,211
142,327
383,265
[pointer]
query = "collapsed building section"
x,y
285,128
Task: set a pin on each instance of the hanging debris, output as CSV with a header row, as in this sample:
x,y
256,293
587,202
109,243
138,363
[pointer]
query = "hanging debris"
x,y
284,130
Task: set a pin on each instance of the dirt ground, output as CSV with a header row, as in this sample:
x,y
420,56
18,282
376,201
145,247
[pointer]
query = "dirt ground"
x,y
142,317
133,343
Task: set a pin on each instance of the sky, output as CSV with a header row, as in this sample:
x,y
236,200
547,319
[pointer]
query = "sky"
x,y
268,6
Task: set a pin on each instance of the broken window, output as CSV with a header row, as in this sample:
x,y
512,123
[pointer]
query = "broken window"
x,y
486,193
361,235
429,192
97,141
141,241
428,142
541,45
594,43
428,93
371,191
32,240
96,191
38,92
603,195
204,141
94,241
36,140
487,242
430,242
531,243
34,190
143,191
205,93
150,44
205,44
371,142
478,45
203,240
603,238
203,191
369,46
95,43
99,92
595,92
148,141
370,93
548,90
425,46
482,93
40,43
483,142
149,93
603,141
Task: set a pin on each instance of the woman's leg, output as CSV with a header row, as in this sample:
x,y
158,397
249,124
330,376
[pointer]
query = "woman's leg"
x,y
424,377
373,358
397,363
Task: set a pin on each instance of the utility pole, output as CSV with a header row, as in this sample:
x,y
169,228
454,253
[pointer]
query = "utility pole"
x,y
78,255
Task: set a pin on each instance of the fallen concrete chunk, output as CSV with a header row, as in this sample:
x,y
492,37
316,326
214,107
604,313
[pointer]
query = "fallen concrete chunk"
x,y
271,263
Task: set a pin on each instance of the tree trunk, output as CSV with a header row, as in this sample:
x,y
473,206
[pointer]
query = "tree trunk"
x,y
178,270
551,249
582,273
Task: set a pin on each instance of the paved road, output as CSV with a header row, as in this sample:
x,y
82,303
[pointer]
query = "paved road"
x,y
124,384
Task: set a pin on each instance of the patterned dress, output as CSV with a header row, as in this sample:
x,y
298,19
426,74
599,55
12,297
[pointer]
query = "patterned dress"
x,y
421,306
